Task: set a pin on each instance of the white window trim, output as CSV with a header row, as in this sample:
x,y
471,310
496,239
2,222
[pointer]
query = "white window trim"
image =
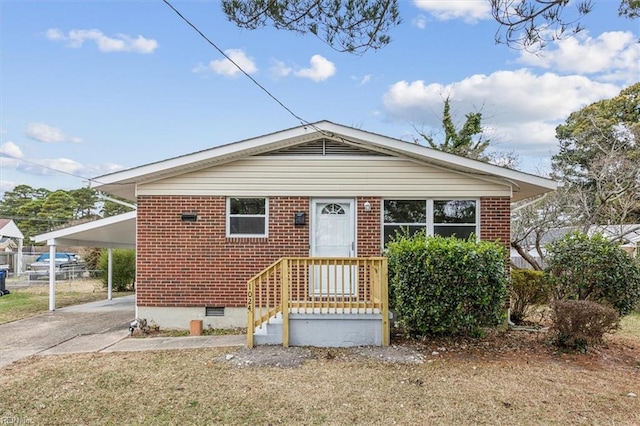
x,y
228,218
430,223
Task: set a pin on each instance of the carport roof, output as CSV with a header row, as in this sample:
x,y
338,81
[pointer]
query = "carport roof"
x,y
111,232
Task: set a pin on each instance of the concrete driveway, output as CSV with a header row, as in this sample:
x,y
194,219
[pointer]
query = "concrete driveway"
x,y
82,328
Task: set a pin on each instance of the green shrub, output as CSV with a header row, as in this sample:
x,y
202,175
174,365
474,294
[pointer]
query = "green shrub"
x,y
529,290
578,324
124,268
593,268
91,257
446,285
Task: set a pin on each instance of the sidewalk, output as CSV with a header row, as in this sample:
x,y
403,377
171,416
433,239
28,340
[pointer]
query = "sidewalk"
x,y
101,326
121,342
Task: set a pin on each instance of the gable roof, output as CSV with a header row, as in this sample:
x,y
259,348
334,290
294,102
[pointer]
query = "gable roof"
x,y
9,229
123,183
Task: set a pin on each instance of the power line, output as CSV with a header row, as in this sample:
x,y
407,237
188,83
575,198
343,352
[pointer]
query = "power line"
x,y
253,80
4,154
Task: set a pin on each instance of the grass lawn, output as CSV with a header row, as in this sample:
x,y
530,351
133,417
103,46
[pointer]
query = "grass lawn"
x,y
505,378
29,301
631,325
200,387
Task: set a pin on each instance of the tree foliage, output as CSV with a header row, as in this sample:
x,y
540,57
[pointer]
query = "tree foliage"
x,y
38,210
445,285
359,25
531,24
598,168
351,26
468,142
595,269
599,159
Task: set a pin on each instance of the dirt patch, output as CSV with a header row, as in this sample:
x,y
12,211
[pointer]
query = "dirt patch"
x,y
278,356
513,346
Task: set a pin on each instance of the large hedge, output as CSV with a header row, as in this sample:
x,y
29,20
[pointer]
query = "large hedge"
x,y
446,285
593,268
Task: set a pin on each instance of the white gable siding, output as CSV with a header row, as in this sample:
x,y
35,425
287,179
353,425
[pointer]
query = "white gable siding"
x,y
326,177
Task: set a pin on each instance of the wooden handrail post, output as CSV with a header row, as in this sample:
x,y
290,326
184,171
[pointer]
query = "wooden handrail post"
x,y
284,300
251,285
384,290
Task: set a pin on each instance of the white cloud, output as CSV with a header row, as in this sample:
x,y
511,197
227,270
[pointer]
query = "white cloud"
x,y
420,21
44,133
52,166
471,11
55,34
320,69
614,55
520,108
280,69
6,185
11,149
119,43
10,154
366,79
226,67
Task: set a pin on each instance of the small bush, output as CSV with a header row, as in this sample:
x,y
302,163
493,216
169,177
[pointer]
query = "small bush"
x,y
594,268
91,257
529,290
124,269
578,324
446,285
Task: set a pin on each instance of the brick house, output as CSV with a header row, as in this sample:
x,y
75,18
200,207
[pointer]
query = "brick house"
x,y
208,222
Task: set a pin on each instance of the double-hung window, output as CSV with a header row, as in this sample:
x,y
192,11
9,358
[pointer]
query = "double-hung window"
x,y
455,218
448,218
247,217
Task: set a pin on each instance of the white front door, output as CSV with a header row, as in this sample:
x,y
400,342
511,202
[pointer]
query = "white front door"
x,y
333,235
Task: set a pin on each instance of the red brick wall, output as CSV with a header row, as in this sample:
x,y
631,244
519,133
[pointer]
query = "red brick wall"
x,y
194,264
369,228
495,219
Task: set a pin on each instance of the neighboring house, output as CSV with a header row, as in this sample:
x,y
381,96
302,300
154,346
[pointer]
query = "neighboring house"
x,y
11,238
627,235
7,244
208,222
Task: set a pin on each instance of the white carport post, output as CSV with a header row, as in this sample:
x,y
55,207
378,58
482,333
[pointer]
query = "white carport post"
x,y
110,273
52,277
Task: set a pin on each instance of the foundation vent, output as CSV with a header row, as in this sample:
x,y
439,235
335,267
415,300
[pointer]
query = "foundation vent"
x,y
211,311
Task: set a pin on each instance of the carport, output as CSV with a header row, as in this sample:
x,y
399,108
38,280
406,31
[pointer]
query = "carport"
x,y
111,232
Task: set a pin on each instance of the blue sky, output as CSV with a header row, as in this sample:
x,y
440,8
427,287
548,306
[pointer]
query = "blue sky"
x,y
93,87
